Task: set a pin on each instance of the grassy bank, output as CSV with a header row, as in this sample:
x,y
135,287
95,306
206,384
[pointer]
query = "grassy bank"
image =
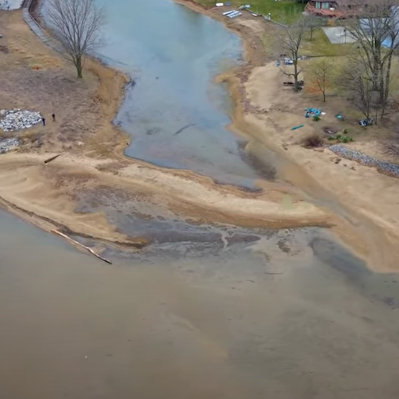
x,y
286,11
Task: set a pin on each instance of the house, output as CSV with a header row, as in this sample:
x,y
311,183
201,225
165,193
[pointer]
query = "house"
x,y
387,26
335,8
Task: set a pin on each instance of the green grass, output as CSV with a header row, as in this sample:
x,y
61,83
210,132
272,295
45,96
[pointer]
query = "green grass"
x,y
285,11
320,46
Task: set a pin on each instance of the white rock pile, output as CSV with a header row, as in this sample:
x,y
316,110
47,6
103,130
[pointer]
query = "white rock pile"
x,y
8,144
16,119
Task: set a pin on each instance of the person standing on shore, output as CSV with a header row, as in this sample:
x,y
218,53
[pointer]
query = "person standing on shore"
x,y
44,121
53,117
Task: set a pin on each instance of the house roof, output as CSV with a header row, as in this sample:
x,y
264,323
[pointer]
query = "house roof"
x,y
346,3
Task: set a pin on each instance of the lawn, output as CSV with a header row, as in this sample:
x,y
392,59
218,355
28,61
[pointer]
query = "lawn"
x,y
284,11
320,46
287,11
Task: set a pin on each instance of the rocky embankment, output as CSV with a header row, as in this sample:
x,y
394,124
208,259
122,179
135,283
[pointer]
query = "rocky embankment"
x,y
353,155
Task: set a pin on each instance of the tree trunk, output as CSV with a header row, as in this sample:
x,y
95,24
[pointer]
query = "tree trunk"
x,y
376,70
324,96
386,85
79,67
365,97
376,116
296,86
382,87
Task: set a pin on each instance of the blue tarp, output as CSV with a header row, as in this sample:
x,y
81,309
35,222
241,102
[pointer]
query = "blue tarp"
x,y
312,112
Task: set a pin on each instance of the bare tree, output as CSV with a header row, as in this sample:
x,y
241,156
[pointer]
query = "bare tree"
x,y
314,22
376,30
320,75
356,82
290,42
77,25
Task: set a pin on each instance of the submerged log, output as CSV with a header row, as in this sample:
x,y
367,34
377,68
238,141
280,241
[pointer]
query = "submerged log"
x,y
81,245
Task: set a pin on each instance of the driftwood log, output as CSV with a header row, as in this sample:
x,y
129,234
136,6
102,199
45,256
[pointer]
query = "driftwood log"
x,y
51,159
81,245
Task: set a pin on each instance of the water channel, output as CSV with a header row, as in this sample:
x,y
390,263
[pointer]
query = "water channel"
x,y
175,113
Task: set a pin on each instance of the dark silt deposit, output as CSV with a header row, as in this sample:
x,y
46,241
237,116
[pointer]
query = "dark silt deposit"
x,y
334,255
136,217
379,287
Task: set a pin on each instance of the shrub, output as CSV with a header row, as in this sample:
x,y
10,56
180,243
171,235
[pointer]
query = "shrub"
x,y
316,118
340,139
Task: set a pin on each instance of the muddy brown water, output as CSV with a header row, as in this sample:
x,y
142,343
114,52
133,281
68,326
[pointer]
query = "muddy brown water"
x,y
272,319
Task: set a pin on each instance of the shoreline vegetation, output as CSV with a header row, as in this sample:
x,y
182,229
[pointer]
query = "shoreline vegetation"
x,y
324,193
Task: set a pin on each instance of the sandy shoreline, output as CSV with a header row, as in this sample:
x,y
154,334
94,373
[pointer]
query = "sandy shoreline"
x,y
92,164
368,224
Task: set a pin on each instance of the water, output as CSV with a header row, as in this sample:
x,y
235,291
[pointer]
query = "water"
x,y
269,320
174,112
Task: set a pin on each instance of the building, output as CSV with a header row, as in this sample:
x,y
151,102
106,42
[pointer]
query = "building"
x,y
388,26
335,8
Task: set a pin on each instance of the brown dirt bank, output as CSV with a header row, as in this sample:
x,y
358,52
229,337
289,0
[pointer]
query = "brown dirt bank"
x,y
34,77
